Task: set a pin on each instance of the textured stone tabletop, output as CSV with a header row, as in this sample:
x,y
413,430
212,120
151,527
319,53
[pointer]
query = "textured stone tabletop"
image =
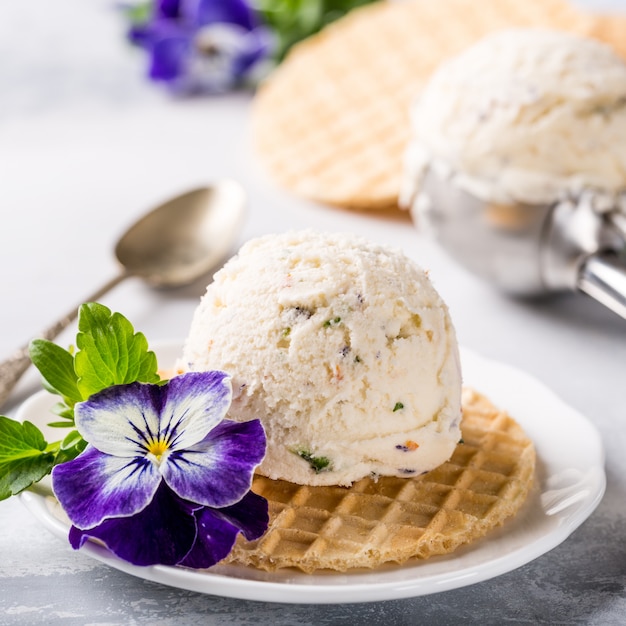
x,y
85,146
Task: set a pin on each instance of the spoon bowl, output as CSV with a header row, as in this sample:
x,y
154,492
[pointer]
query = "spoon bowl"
x,y
172,245
185,237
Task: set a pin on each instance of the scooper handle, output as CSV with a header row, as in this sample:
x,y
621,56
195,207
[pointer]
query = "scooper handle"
x,y
603,277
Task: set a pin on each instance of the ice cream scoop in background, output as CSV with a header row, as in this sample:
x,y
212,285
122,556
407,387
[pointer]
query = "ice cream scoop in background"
x,y
518,163
526,115
342,348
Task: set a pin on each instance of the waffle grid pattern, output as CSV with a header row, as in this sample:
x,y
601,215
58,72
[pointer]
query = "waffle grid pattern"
x,y
332,122
393,519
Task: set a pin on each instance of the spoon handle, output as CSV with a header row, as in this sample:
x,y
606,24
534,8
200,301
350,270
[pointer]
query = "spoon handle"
x,y
603,277
12,369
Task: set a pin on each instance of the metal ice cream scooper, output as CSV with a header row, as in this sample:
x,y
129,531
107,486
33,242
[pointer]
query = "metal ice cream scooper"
x,y
576,243
517,163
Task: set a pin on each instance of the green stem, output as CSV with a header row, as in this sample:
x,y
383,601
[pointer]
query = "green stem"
x,y
52,447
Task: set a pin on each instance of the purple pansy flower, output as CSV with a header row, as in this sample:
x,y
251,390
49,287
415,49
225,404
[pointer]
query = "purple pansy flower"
x,y
164,479
203,45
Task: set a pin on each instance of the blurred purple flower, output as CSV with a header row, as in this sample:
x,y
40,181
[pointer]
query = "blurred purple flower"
x,y
164,479
203,45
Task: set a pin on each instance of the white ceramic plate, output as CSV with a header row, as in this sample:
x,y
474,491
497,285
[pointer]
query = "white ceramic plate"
x,y
570,484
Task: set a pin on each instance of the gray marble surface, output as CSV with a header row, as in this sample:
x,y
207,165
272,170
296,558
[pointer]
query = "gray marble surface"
x,y
85,146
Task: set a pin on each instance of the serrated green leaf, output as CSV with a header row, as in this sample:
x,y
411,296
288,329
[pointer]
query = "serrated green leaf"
x,y
110,352
24,456
56,365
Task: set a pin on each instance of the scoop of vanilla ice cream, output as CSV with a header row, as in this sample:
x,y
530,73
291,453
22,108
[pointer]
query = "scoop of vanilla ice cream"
x,y
342,348
524,115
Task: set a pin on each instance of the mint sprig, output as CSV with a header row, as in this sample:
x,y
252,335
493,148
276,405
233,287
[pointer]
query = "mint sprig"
x,y
109,353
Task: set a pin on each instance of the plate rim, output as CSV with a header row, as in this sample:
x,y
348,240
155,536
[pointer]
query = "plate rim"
x,y
297,590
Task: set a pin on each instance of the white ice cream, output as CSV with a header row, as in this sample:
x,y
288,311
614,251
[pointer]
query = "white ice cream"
x,y
524,115
342,348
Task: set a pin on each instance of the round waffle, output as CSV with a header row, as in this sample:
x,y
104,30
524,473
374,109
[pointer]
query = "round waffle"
x,y
331,123
395,519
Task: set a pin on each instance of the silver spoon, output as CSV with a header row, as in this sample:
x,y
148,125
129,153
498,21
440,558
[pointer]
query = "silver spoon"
x,y
527,250
172,245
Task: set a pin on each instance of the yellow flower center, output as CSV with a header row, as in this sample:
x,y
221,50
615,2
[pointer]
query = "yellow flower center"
x,y
157,447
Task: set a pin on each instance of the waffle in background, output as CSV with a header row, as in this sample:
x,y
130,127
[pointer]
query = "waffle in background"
x,y
394,519
331,123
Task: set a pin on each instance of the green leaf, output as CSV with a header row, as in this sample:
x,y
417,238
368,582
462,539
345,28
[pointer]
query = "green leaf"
x,y
139,13
56,365
110,352
71,440
294,20
63,456
64,412
24,456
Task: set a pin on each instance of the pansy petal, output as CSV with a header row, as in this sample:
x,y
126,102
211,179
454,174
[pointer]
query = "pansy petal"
x,y
234,12
95,486
140,34
258,44
215,539
121,419
194,404
217,471
163,533
218,528
124,420
169,9
167,61
250,515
